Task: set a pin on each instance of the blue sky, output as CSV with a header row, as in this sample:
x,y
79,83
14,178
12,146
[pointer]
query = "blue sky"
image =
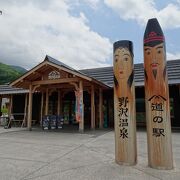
x,y
81,33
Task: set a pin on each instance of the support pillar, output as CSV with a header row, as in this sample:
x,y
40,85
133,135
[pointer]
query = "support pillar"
x,y
92,108
30,108
100,109
81,123
10,105
25,111
42,105
47,102
61,102
0,104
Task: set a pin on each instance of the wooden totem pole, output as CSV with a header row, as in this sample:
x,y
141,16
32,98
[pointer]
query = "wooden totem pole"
x,y
124,104
157,98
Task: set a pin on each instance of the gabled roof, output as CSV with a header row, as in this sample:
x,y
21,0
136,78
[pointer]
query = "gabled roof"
x,y
54,61
105,74
36,73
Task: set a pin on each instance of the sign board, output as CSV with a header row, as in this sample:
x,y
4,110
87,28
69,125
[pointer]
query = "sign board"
x,y
54,75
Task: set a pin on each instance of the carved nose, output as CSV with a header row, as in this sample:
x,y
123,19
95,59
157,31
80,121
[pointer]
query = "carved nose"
x,y
121,66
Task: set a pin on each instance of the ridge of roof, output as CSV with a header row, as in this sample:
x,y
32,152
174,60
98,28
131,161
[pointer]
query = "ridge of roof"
x,y
57,62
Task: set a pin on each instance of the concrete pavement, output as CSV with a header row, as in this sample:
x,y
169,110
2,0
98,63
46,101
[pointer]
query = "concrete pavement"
x,y
67,156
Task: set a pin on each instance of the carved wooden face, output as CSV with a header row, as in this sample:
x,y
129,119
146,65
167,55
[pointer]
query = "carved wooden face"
x,y
154,59
122,63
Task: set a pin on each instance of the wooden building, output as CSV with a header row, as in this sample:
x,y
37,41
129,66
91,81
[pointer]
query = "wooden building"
x,y
50,89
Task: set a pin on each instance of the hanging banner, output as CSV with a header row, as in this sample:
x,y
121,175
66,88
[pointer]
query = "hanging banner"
x,y
124,104
157,98
79,105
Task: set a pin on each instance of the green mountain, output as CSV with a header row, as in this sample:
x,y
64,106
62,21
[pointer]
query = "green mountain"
x,y
9,73
19,69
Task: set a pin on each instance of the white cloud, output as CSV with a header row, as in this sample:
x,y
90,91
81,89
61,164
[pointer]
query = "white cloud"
x,y
31,29
91,3
142,10
173,56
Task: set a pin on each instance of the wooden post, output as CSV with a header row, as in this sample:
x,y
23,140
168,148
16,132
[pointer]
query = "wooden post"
x,y
25,111
0,103
30,108
42,106
92,108
10,105
157,98
81,123
124,104
100,108
59,102
47,102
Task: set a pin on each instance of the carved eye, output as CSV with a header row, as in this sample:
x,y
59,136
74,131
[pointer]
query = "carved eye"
x,y
159,52
116,59
148,52
125,58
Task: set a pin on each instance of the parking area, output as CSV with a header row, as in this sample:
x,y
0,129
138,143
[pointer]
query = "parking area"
x,y
65,155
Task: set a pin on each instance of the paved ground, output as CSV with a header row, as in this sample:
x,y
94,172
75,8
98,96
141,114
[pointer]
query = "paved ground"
x,y
63,155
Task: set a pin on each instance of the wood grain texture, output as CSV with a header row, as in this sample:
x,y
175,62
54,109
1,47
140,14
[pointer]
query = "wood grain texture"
x,y
157,98
92,107
81,122
101,121
30,108
124,104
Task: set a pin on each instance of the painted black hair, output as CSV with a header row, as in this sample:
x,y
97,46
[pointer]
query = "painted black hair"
x,y
124,44
153,34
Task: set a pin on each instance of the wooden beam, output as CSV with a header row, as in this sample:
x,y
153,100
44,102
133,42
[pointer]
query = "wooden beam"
x,y
30,108
39,74
35,87
100,108
55,81
81,123
75,85
92,108
28,73
71,71
47,102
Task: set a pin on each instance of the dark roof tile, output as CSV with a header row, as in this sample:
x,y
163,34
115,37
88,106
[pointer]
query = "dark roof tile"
x,y
105,74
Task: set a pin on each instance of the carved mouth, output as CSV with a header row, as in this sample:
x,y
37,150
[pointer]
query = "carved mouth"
x,y
121,72
154,65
